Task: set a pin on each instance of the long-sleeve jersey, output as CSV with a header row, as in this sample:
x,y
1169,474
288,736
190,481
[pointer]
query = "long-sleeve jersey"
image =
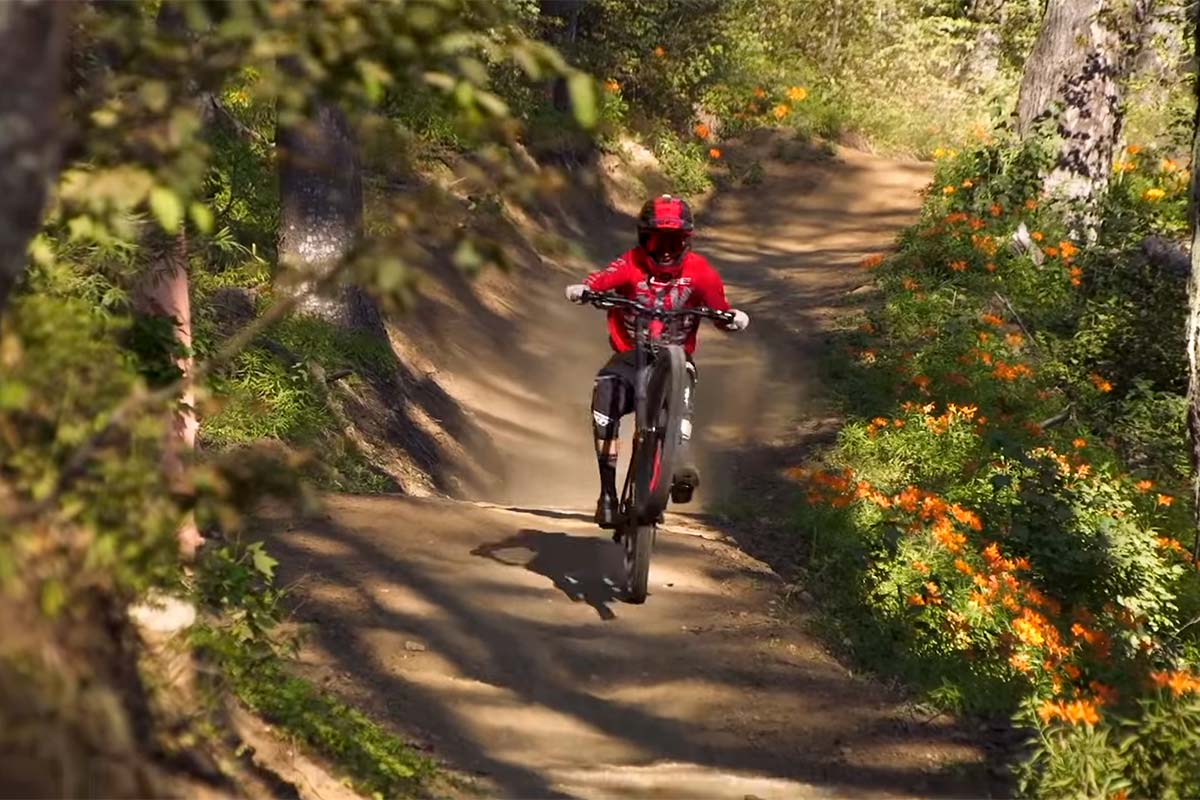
x,y
698,285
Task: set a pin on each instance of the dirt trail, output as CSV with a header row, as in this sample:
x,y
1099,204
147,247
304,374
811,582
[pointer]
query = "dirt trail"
x,y
493,632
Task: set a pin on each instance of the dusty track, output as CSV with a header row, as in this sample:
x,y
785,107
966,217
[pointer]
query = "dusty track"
x,y
492,630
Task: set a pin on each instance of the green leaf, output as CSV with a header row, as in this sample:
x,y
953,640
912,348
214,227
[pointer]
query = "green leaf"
x,y
167,208
54,597
583,98
202,217
262,562
491,103
13,396
41,251
155,95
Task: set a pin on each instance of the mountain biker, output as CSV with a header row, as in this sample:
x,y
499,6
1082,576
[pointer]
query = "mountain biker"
x,y
661,271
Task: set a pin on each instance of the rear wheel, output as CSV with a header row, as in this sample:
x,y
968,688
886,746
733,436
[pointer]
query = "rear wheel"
x,y
639,543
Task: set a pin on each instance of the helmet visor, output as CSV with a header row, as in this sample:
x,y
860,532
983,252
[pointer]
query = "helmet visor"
x,y
666,247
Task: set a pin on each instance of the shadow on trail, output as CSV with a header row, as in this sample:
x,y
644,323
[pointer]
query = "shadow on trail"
x,y
561,670
573,563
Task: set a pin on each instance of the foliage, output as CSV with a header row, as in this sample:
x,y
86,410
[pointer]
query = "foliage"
x,y
170,117
235,583
1000,520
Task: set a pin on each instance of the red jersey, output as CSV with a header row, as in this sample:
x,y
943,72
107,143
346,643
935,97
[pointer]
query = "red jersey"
x,y
698,285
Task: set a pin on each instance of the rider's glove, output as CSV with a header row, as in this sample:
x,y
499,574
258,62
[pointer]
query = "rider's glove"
x,y
575,292
740,321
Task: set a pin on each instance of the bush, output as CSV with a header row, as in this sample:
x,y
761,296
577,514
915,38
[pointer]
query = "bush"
x,y
1000,520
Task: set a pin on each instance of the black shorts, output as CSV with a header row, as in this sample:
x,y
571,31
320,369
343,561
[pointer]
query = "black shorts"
x,y
614,394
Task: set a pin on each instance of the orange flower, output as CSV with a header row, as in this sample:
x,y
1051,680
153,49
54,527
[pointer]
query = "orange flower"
x,y
1179,683
611,85
1079,444
1067,249
996,210
966,517
1076,276
782,110
963,567
1014,339
916,600
797,93
760,92
921,381
921,567
659,52
1133,149
1031,204
1050,251
992,319
910,284
1165,500
977,223
947,190
872,261
1073,672
968,183
1072,713
908,498
1028,632
1154,194
702,130
958,266
1020,662
1144,485
1100,383
990,266
1105,694
714,152
1037,236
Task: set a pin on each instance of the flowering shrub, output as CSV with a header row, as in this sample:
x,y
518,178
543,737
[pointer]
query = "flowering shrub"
x,y
1001,519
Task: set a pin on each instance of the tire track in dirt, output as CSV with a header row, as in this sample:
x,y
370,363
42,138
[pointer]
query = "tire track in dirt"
x,y
493,633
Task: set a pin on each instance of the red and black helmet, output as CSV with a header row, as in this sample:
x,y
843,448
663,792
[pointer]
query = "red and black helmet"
x,y
665,232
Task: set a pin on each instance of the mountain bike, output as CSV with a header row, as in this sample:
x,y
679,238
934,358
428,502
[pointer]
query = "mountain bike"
x,y
660,400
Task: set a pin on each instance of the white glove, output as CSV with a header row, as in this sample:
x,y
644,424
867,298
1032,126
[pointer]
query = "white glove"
x,y
741,321
575,292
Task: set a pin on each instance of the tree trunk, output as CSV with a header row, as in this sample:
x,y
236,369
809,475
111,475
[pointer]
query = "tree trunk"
x,y
320,214
982,63
1056,54
1193,319
32,51
164,292
1083,51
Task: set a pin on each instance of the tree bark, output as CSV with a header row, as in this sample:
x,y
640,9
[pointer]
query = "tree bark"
x,y
1193,317
1073,76
1056,53
164,292
32,52
321,214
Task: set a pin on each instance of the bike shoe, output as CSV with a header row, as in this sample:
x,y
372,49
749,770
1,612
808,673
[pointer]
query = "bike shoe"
x,y
687,481
606,511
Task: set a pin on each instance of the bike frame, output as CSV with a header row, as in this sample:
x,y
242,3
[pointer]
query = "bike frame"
x,y
652,323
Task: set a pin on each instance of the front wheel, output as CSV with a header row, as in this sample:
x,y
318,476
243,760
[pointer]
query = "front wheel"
x,y
659,434
639,543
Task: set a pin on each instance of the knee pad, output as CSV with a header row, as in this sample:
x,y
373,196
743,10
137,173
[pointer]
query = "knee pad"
x,y
606,407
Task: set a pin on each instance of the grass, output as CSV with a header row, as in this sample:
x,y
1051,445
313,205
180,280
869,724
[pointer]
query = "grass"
x,y
377,763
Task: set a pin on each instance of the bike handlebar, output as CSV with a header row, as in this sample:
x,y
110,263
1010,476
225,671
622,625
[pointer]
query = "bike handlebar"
x,y
607,300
